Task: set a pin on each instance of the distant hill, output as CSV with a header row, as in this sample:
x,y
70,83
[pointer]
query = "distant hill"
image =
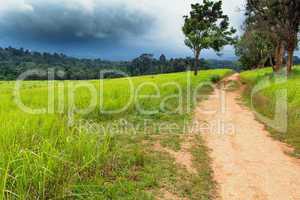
x,y
14,62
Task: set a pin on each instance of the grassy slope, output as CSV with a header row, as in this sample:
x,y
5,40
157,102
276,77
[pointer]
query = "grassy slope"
x,y
43,157
264,102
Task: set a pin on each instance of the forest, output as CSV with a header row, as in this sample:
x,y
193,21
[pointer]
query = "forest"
x,y
13,62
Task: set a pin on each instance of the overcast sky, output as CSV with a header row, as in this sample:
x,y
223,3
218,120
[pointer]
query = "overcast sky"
x,y
110,29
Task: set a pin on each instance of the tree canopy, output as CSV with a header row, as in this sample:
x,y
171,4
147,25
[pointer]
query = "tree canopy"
x,y
207,27
255,50
13,62
279,20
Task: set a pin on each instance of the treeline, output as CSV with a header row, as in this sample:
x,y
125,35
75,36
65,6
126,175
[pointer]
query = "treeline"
x,y
14,62
271,34
148,64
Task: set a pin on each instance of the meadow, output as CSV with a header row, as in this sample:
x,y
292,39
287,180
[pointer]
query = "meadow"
x,y
264,101
57,151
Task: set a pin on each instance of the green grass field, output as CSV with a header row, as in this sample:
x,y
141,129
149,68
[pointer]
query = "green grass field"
x,y
63,155
264,101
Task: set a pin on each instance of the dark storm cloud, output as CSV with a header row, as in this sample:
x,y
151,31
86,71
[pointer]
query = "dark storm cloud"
x,y
110,29
60,23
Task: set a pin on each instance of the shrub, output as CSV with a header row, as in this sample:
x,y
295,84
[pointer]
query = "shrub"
x,y
215,78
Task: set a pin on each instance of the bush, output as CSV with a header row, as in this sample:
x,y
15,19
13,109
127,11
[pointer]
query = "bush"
x,y
215,78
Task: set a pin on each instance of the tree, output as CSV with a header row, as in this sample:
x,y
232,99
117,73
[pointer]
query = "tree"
x,y
255,49
290,19
162,59
258,23
207,28
162,62
283,17
142,65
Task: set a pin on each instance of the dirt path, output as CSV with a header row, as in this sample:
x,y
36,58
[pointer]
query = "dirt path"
x,y
247,163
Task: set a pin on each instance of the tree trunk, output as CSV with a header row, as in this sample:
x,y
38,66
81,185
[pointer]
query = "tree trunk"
x,y
196,67
290,61
277,64
279,54
271,62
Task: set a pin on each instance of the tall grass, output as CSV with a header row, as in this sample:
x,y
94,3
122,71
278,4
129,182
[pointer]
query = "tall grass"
x,y
264,101
43,156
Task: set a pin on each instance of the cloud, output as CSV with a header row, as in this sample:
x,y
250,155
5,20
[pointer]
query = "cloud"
x,y
64,21
168,37
118,29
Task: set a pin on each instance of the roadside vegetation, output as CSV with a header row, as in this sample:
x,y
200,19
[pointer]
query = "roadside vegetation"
x,y
63,155
270,36
264,101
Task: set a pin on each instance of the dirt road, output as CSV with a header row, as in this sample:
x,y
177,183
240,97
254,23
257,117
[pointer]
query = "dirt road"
x,y
248,164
